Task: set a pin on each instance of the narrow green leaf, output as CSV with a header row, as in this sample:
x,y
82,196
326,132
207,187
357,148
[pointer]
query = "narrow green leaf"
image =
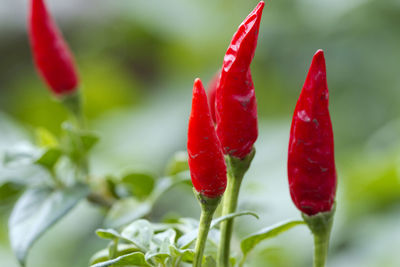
x,y
111,234
107,233
103,255
251,241
187,239
132,259
217,221
36,211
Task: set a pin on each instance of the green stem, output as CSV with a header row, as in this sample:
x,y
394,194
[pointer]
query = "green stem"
x,y
320,225
73,103
229,206
321,245
236,170
208,207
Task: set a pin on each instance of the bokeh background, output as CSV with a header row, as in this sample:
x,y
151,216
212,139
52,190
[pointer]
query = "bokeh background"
x,y
137,61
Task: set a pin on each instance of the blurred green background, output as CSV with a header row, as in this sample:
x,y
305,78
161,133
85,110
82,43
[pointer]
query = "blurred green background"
x,y
137,61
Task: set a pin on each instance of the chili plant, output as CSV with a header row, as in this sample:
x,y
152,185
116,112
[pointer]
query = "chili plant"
x,y
222,132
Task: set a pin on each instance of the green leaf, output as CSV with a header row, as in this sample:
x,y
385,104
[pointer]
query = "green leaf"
x,y
107,233
89,140
140,233
132,259
217,221
103,255
251,241
178,163
139,184
49,158
9,192
36,211
126,211
187,239
45,138
79,142
160,244
20,154
163,240
186,255
26,175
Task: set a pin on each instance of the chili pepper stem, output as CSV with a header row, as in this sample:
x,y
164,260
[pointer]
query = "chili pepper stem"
x,y
208,207
73,103
236,170
229,206
320,226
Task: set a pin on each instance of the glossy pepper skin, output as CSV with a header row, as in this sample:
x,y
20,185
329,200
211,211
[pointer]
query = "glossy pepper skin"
x,y
211,92
51,54
311,162
235,98
206,160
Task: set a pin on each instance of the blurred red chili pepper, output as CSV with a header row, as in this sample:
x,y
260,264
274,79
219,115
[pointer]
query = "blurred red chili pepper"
x,y
235,98
311,162
206,160
211,92
51,54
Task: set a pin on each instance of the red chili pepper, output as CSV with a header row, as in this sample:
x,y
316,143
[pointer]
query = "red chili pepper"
x,y
51,54
211,92
236,102
206,160
311,162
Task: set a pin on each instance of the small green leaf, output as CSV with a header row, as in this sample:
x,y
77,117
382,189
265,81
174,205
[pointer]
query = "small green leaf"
x,y
187,239
89,140
44,138
178,163
126,211
114,235
107,234
140,233
132,259
251,241
163,240
186,255
139,184
78,142
36,211
49,158
103,255
160,244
